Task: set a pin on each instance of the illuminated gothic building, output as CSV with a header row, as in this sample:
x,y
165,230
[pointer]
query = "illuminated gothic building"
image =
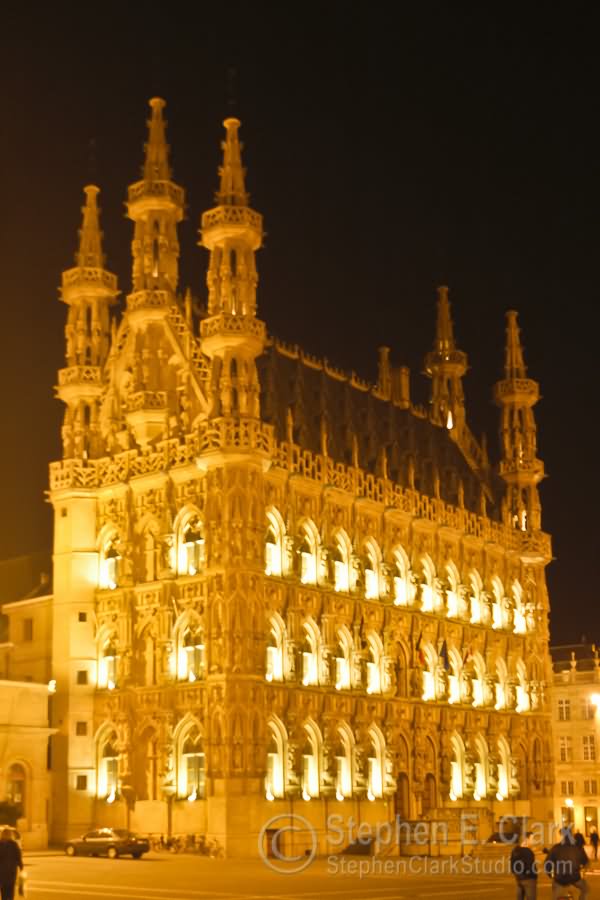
x,y
277,586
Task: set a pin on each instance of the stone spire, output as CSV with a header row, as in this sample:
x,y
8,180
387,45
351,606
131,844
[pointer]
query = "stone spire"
x,y
446,366
516,394
89,290
90,236
232,191
156,161
155,204
232,336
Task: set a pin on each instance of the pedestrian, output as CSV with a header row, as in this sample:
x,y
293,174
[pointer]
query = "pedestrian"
x,y
523,867
564,864
594,839
579,839
11,864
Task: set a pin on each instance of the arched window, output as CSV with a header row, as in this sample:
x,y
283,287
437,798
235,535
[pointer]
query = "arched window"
x,y
191,780
109,563
107,665
16,788
308,554
374,664
371,571
478,680
403,586
376,764
457,768
504,769
191,654
501,686
311,753
341,564
498,611
344,763
274,544
523,704
452,591
520,622
276,755
430,658
476,598
190,551
343,679
310,654
108,767
481,769
275,650
428,599
455,676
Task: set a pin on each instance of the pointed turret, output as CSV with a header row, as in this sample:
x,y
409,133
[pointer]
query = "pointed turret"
x,y
89,290
446,366
155,204
520,468
232,336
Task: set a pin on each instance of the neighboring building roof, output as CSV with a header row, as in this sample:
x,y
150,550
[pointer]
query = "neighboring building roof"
x,y
583,654
25,576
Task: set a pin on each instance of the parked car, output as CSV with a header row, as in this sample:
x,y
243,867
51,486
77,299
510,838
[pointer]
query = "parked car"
x,y
111,842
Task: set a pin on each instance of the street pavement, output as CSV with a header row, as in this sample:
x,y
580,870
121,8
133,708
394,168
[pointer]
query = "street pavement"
x,y
165,876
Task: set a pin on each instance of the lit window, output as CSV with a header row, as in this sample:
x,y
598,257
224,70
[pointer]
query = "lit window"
x,y
108,770
457,768
454,678
589,748
342,663
371,577
310,665
275,778
343,778
523,703
564,711
310,767
109,565
374,667
504,767
107,666
191,656
403,586
192,774
192,548
273,555
341,576
308,560
375,767
274,659
500,687
565,748
481,764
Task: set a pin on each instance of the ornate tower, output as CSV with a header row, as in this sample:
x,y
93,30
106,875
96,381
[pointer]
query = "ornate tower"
x,y
446,366
232,336
520,468
89,290
155,204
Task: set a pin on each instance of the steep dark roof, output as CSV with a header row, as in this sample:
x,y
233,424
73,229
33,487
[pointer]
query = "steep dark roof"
x,y
353,413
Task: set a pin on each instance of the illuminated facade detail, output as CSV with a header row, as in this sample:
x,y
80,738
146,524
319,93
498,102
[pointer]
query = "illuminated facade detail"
x,y
304,580
107,765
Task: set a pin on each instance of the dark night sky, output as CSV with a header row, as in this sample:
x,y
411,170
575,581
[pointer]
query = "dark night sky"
x,y
387,155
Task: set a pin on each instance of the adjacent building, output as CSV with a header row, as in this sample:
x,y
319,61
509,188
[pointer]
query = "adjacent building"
x,y
576,698
276,586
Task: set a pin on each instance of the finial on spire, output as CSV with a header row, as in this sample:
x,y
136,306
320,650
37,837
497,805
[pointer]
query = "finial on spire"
x,y
514,366
232,191
444,337
89,254
156,162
